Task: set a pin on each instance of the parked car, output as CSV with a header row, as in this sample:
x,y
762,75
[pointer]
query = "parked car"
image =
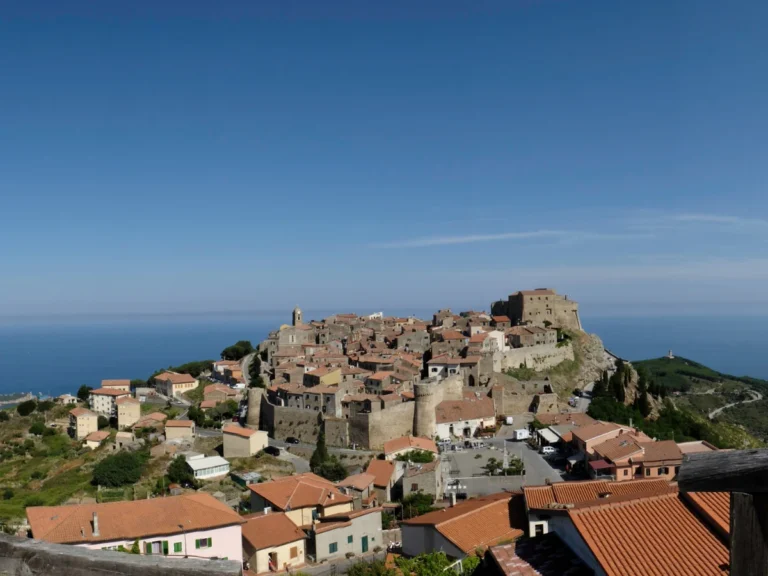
x,y
457,448
272,450
292,440
548,451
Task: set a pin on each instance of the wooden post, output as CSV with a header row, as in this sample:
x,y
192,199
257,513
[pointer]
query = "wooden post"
x,y
743,473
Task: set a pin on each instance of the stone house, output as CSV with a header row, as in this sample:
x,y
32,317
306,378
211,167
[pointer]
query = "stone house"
x,y
323,377
191,524
103,401
336,535
272,543
242,442
424,478
413,341
221,365
179,429
585,438
627,457
501,322
383,472
360,488
397,446
95,439
154,420
524,336
541,307
172,384
128,412
377,382
66,400
82,422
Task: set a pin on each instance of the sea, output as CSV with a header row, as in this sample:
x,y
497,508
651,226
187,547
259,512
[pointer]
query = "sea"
x,y
55,356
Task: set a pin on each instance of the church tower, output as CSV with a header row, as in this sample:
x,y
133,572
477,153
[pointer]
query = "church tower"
x,y
297,316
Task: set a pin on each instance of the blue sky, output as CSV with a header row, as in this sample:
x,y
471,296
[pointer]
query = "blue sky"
x,y
348,154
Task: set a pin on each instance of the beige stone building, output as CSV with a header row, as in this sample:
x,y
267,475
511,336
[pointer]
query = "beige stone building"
x,y
425,479
272,543
94,439
323,377
540,307
220,393
173,384
242,442
124,385
104,400
128,412
179,429
82,422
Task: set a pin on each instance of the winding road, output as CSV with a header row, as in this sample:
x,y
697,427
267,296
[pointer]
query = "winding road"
x,y
246,367
755,397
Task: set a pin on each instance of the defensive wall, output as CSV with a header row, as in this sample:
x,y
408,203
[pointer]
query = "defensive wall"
x,y
539,357
375,428
26,557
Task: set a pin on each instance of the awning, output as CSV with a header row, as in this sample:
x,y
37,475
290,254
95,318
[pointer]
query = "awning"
x,y
576,458
549,436
599,465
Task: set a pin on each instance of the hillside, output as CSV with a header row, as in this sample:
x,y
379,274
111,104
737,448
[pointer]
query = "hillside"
x,y
704,391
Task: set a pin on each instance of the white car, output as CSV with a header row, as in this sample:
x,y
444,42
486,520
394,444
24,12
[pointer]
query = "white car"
x,y
548,451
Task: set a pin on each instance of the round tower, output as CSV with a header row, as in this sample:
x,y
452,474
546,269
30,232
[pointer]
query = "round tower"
x,y
424,419
296,316
255,396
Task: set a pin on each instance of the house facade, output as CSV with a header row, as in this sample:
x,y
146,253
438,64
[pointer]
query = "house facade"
x,y
179,429
172,384
128,412
104,400
271,543
82,422
463,418
336,535
242,442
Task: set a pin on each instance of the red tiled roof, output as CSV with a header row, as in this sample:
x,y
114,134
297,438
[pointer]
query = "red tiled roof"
x,y
591,490
409,442
109,392
126,400
357,481
130,520
76,412
238,431
586,433
382,470
501,319
714,507
175,378
661,451
380,375
269,530
478,522
108,383
300,491
453,335
98,436
653,535
578,419
179,424
618,448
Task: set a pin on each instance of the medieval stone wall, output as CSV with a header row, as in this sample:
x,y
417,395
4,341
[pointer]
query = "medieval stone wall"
x,y
337,432
389,424
282,422
540,357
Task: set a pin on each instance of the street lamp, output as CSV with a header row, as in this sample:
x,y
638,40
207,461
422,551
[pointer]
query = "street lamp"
x,y
184,536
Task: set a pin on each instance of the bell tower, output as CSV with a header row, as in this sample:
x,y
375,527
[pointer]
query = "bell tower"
x,y
297,316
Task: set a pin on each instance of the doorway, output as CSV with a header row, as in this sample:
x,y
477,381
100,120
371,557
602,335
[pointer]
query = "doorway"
x,y
365,544
273,561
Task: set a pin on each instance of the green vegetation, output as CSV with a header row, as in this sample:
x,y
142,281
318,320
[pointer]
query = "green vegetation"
x,y
680,374
753,416
374,568
45,405
103,422
208,419
194,369
237,351
523,373
495,467
180,473
434,564
416,456
84,392
254,373
325,465
120,469
26,408
416,504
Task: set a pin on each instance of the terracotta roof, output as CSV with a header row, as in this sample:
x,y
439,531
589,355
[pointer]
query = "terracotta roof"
x,y
586,433
545,555
478,338
591,490
357,481
238,431
268,530
478,522
409,442
695,447
179,424
662,451
422,468
76,412
175,378
219,388
654,535
501,319
300,491
380,375
456,410
578,419
109,392
382,470
623,446
126,400
715,507
226,362
98,436
408,394
151,419
320,372
453,335
108,383
130,520
209,403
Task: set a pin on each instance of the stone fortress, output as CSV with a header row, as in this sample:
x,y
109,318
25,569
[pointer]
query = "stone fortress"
x,y
365,380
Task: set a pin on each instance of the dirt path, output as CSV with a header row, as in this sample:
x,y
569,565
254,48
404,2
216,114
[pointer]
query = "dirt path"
x,y
755,397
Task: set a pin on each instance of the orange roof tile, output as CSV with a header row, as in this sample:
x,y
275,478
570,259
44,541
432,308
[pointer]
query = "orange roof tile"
x,y
586,433
380,375
357,481
715,507
382,470
179,424
654,535
175,378
300,491
409,442
591,490
98,436
238,431
77,412
209,403
130,520
108,383
501,319
126,400
619,448
109,392
478,522
578,419
661,451
269,530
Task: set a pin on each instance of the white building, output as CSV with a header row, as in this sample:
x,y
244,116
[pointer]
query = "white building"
x,y
103,401
207,467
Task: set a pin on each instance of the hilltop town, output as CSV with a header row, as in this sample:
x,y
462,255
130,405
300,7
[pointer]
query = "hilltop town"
x,y
503,442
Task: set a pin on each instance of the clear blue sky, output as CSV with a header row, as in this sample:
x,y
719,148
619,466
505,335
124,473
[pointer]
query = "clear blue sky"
x,y
382,155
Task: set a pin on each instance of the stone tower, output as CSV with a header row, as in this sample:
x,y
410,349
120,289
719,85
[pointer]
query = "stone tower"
x,y
297,316
427,397
255,396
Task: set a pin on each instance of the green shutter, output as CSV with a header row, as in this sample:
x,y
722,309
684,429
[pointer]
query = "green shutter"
x,y
177,546
147,548
197,543
210,542
165,547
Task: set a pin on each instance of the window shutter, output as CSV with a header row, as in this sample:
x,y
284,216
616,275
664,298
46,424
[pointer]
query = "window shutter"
x,y
147,548
165,547
210,542
197,543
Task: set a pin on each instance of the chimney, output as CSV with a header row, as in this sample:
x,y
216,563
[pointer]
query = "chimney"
x,y
96,524
267,510
331,495
453,499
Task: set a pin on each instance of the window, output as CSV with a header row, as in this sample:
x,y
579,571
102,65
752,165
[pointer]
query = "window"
x,y
677,470
626,472
414,487
349,539
204,543
333,547
295,552
647,471
539,529
176,547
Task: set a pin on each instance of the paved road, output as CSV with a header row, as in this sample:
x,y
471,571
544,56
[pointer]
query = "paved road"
x,y
583,402
299,464
206,433
755,397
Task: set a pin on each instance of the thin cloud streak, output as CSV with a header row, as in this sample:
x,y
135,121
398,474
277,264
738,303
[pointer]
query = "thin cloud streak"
x,y
720,219
469,239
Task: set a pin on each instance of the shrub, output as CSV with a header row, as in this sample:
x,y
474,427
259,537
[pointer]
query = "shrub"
x,y
4,416
45,405
350,554
120,469
37,428
38,475
26,408
7,494
103,422
416,456
33,500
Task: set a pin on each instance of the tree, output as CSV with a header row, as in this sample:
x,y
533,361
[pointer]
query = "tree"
x,y
4,416
431,564
37,428
103,422
332,470
416,504
180,473
617,386
416,456
375,568
120,469
237,351
320,455
45,405
257,382
84,392
26,408
254,371
138,383
196,415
